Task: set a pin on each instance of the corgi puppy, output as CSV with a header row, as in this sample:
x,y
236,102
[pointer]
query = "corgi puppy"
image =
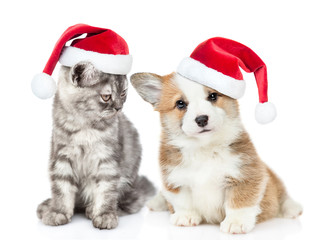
x,y
211,172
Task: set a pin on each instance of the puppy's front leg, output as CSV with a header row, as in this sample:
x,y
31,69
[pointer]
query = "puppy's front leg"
x,y
104,207
181,202
242,206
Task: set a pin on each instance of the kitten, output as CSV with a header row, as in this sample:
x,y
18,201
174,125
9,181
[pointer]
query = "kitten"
x,y
95,151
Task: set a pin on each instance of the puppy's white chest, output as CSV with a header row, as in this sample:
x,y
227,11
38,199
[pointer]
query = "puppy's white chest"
x,y
204,167
202,178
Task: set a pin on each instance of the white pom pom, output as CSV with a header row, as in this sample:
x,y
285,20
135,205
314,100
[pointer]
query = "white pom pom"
x,y
265,112
43,86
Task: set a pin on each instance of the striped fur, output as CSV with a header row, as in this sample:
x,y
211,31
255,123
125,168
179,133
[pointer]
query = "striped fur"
x,y
95,151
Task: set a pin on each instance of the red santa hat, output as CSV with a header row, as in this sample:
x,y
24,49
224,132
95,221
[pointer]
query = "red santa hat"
x,y
104,48
215,63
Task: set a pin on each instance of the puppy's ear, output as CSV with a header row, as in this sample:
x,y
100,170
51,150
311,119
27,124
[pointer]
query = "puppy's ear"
x,y
84,74
148,85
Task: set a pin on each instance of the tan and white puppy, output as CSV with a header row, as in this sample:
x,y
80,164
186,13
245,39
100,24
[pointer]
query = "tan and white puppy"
x,y
210,169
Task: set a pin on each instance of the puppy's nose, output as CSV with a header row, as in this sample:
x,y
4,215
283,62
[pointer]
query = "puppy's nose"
x,y
202,120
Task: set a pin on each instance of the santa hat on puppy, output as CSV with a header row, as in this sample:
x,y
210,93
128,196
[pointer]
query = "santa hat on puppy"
x,y
105,49
215,63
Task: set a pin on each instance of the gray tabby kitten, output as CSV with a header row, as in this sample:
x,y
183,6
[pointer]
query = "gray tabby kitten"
x,y
95,151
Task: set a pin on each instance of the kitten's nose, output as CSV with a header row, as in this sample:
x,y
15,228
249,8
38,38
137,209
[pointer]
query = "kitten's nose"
x,y
118,108
202,120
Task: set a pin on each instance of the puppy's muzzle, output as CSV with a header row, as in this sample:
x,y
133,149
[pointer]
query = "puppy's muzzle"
x,y
202,120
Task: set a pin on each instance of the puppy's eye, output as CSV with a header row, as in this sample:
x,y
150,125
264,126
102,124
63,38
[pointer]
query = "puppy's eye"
x,y
213,97
180,104
105,97
123,94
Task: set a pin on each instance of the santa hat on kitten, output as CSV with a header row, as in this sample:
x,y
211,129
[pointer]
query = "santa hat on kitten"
x,y
215,63
105,49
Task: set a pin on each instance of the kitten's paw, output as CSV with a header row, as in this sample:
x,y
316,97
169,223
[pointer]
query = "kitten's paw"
x,y
89,212
157,203
185,219
43,207
53,218
105,221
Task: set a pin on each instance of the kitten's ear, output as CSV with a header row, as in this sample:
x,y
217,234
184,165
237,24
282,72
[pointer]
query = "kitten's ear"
x,y
148,85
84,74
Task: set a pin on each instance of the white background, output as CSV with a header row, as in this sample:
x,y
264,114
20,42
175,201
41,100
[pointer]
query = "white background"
x,y
287,35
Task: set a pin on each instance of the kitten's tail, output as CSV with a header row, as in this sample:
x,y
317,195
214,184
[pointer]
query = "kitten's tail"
x,y
133,200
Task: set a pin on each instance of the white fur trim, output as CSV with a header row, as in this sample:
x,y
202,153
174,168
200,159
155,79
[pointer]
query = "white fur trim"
x,y
43,86
198,72
265,112
108,63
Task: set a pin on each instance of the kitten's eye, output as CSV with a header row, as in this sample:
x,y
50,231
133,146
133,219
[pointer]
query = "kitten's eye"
x,y
105,97
213,97
123,94
180,104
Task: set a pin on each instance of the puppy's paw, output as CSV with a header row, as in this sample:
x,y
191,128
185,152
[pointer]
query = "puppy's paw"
x,y
290,209
105,221
157,203
241,220
235,227
185,219
54,218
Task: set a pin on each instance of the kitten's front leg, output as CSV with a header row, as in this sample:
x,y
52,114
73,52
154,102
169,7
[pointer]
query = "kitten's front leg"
x,y
104,207
59,209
